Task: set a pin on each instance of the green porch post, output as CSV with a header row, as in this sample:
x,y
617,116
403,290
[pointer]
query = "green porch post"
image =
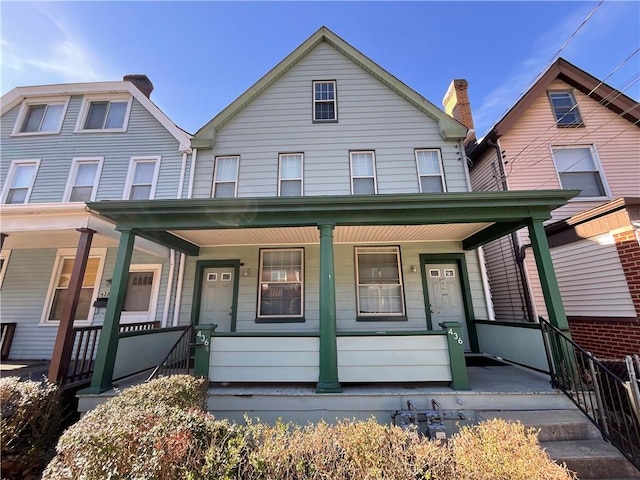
x,y
548,280
459,377
328,378
108,346
203,350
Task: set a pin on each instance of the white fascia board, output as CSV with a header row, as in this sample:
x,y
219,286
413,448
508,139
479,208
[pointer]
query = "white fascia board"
x,y
18,94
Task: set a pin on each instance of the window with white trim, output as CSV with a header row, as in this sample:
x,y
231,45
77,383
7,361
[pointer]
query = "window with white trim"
x,y
379,282
59,285
290,174
20,180
281,285
104,113
430,171
142,178
565,109
83,179
225,177
363,173
578,168
325,107
4,261
39,116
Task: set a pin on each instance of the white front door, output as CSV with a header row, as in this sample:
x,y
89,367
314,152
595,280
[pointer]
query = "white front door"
x,y
445,296
216,302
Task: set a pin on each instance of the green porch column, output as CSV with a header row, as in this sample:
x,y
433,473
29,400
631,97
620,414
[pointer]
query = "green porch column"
x,y
459,377
548,280
203,350
328,378
108,346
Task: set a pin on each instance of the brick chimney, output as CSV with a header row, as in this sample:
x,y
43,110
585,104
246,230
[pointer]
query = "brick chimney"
x,y
142,82
456,104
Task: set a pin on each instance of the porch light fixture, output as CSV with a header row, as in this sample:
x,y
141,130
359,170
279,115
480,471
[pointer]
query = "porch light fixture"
x,y
414,269
245,272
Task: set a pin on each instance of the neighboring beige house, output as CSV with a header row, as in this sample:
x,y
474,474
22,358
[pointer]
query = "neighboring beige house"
x,y
570,130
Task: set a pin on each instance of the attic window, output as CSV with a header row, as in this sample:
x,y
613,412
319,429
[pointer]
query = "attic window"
x,y
325,108
565,109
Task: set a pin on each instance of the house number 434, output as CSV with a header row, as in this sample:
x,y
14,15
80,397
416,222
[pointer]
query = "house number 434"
x,y
455,336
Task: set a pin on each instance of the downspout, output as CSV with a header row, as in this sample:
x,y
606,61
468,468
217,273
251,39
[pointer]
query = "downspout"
x,y
518,252
483,269
172,252
183,257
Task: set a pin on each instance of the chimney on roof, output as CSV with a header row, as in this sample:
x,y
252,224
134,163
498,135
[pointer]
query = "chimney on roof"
x,y
141,81
456,104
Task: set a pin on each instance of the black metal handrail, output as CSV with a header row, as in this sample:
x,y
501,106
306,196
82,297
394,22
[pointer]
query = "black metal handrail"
x,y
606,398
178,359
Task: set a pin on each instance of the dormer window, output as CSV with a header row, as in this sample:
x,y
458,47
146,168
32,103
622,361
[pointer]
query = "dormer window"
x,y
40,116
565,109
104,113
325,108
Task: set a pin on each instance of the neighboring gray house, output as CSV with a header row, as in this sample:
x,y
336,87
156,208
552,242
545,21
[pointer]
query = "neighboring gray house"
x,y
64,145
330,231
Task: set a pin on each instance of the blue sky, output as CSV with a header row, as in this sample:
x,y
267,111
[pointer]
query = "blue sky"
x,y
201,55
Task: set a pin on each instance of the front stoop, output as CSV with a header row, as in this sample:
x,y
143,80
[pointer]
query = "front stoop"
x,y
568,437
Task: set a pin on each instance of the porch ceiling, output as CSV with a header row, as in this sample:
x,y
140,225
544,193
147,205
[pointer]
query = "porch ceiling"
x,y
491,215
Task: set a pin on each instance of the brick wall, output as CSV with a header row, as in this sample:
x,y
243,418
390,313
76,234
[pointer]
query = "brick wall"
x,y
629,253
606,339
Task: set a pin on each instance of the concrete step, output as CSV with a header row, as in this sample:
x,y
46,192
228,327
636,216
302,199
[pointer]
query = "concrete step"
x,y
591,459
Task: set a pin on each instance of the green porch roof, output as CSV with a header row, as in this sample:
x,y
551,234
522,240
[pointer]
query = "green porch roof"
x,y
505,211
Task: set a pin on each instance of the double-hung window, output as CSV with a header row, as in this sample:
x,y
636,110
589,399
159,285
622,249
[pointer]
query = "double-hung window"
x,y
363,173
281,285
325,107
430,171
83,180
142,178
40,116
104,113
225,177
565,109
59,286
578,168
379,282
290,173
19,182
4,261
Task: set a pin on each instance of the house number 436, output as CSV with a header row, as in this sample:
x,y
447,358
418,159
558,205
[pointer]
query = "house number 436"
x,y
455,336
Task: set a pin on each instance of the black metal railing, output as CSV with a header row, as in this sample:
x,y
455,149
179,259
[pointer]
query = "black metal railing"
x,y
607,396
178,359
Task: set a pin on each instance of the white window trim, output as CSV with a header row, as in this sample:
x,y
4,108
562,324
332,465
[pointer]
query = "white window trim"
x,y
131,173
215,175
300,281
597,163
335,102
74,172
24,108
61,255
382,249
420,175
375,172
301,178
10,177
84,110
150,315
576,108
4,255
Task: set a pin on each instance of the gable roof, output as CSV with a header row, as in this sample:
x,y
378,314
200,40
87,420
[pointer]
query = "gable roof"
x,y
18,94
609,97
450,128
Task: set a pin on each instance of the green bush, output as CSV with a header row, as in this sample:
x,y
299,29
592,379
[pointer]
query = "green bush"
x,y
30,423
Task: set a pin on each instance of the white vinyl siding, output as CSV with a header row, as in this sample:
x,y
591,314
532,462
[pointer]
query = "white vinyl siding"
x,y
104,113
578,168
83,179
291,175
20,180
142,178
225,179
591,279
379,281
430,175
39,116
363,173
